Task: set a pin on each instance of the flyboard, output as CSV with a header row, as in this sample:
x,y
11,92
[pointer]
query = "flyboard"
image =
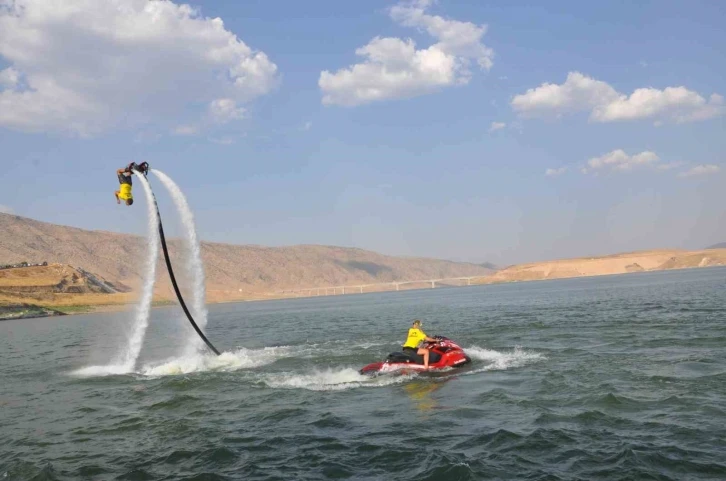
x,y
143,168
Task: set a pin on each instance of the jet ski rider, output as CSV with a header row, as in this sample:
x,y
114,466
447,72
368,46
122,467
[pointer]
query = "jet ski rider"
x,y
416,337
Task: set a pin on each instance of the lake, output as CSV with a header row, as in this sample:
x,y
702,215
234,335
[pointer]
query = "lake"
x,y
617,377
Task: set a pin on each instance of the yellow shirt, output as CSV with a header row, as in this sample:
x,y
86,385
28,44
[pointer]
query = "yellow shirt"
x,y
415,336
125,192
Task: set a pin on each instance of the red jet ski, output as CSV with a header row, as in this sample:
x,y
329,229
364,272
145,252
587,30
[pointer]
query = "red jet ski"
x,y
443,353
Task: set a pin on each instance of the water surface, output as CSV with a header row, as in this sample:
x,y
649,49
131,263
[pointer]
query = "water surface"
x,y
618,377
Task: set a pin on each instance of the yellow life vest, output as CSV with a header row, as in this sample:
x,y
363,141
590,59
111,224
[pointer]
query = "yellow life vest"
x,y
415,336
125,192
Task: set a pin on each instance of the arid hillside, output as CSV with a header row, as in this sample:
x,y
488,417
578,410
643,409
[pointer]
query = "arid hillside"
x,y
655,260
58,285
232,271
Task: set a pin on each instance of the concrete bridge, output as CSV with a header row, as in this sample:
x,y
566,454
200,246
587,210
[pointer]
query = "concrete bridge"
x,y
375,287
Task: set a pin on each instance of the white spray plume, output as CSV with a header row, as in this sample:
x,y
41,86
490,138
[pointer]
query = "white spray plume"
x,y
194,269
127,360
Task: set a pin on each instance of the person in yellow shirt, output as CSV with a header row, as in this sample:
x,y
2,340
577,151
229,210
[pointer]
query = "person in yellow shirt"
x,y
124,178
124,192
416,337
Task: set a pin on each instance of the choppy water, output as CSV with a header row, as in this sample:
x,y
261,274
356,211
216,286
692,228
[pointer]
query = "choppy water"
x,y
618,377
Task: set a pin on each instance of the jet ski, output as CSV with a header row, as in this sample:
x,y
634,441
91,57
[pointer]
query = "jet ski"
x,y
443,353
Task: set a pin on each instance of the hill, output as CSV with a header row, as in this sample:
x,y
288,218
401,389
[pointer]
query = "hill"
x,y
720,245
655,260
232,271
59,286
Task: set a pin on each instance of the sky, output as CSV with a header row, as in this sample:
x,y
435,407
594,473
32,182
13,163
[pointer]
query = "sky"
x,y
502,131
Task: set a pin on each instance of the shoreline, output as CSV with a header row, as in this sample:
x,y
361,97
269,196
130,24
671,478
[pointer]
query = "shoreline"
x,y
55,310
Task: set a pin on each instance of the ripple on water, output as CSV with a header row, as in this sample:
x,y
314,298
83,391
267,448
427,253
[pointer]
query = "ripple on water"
x,y
613,380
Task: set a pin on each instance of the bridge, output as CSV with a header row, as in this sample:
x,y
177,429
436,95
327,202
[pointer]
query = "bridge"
x,y
375,287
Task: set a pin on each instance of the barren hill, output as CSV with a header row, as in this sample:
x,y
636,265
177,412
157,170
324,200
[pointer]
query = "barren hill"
x,y
232,271
655,260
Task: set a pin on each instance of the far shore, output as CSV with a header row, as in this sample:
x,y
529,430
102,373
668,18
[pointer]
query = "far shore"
x,y
70,308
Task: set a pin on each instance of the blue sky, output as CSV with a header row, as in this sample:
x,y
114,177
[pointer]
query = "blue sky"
x,y
437,147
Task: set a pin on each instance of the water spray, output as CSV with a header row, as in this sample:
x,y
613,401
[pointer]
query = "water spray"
x,y
179,296
193,266
136,339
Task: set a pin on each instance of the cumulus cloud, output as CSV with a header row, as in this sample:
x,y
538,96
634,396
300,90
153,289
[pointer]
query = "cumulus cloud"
x,y
555,172
580,93
83,66
496,126
618,160
225,110
704,169
669,165
9,78
395,68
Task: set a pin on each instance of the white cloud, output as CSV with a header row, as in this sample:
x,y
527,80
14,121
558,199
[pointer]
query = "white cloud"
x,y
394,68
555,172
4,209
676,104
580,93
669,165
496,126
90,65
620,161
225,110
9,78
308,125
704,169
186,130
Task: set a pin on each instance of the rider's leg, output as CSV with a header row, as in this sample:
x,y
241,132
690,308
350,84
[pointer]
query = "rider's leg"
x,y
425,353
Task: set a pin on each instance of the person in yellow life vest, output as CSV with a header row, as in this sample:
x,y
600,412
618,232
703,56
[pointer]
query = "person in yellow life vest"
x,y
124,192
416,337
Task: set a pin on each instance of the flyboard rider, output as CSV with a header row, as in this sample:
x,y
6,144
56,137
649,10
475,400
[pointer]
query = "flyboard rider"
x,y
124,178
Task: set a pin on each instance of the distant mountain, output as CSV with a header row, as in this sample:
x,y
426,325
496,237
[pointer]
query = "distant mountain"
x,y
488,265
720,245
655,260
232,271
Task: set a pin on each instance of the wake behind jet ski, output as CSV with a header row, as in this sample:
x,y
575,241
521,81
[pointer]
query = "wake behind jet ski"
x,y
443,353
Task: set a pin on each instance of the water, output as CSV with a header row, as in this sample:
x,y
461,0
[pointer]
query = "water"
x,y
125,360
193,267
620,377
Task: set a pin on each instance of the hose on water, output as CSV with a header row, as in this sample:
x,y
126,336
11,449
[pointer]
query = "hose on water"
x,y
173,282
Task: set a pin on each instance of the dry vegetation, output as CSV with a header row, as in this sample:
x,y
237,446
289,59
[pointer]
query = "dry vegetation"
x,y
655,260
233,272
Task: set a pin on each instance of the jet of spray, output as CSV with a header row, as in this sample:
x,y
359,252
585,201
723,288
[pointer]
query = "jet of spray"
x,y
128,358
194,269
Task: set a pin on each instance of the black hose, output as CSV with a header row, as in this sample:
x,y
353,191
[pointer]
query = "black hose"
x,y
173,282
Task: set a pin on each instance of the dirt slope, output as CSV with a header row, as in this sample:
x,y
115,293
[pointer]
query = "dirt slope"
x,y
615,264
232,271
